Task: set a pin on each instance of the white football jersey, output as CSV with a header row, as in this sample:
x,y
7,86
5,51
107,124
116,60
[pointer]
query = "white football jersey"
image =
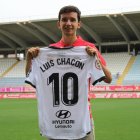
x,y
61,77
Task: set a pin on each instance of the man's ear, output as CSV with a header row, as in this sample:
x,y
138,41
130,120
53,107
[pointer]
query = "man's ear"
x,y
79,24
58,24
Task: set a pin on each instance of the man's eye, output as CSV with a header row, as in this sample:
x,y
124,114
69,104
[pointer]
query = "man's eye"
x,y
64,20
73,20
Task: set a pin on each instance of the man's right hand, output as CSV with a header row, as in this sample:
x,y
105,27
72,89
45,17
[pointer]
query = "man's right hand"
x,y
32,53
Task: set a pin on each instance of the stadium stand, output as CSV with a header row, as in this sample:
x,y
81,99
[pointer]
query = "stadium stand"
x,y
116,62
18,70
5,64
133,76
14,73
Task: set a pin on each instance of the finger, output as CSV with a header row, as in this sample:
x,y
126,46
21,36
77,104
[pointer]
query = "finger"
x,y
34,52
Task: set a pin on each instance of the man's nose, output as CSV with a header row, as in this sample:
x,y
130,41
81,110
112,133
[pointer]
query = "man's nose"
x,y
68,22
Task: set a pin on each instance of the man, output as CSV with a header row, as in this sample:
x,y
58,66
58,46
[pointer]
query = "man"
x,y
69,22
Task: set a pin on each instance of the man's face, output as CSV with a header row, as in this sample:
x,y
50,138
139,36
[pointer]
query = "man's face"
x,y
68,23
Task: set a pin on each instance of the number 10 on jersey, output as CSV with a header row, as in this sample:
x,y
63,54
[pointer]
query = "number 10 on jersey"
x,y
64,85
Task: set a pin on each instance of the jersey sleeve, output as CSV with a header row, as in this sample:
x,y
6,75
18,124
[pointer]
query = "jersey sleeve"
x,y
97,74
30,78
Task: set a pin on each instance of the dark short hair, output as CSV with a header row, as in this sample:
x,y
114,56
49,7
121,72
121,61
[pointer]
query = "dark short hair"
x,y
68,9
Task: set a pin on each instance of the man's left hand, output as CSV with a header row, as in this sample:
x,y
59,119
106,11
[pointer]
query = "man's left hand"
x,y
91,51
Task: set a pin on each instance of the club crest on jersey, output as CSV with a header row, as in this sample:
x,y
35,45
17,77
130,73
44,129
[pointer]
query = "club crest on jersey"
x,y
98,65
63,114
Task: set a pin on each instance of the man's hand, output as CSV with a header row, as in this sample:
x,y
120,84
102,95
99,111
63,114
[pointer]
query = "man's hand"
x,y
91,51
32,53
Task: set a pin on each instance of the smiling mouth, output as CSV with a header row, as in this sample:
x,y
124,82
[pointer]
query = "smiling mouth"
x,y
68,29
